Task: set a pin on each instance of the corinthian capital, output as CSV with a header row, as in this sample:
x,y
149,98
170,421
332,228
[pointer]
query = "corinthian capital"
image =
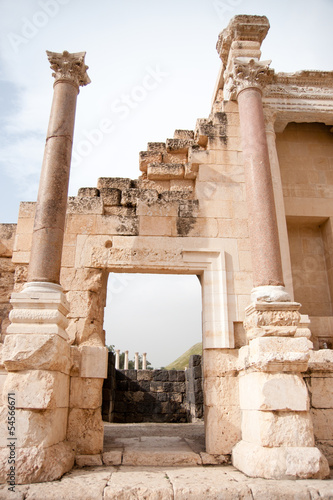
x,y
69,67
246,74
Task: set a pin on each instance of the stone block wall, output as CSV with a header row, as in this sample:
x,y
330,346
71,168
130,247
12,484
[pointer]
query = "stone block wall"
x,y
7,273
150,396
153,395
319,381
194,392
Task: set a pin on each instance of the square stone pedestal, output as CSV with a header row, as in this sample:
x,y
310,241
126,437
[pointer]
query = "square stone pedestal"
x,y
36,355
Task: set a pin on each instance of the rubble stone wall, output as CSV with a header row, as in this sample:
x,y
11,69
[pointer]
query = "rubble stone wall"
x,y
153,395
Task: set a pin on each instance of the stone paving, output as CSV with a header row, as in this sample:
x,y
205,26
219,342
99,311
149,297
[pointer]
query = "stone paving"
x,y
175,472
169,483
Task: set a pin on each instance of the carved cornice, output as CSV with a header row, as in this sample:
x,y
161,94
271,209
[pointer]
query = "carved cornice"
x,y
246,74
69,67
241,28
300,85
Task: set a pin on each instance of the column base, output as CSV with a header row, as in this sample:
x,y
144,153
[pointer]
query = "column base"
x,y
269,293
280,463
271,319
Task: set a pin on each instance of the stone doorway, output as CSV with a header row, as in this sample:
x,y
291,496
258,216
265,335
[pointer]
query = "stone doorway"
x,y
158,317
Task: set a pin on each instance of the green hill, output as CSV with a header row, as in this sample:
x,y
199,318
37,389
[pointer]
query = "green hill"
x,y
183,360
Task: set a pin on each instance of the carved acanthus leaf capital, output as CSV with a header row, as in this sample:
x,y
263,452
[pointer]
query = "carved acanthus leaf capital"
x,y
245,74
69,67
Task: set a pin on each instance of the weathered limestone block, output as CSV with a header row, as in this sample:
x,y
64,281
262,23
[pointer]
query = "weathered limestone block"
x,y
94,361
86,392
88,460
38,389
146,157
266,391
222,428
36,428
114,182
163,171
82,330
85,304
183,134
91,280
156,146
36,352
113,457
280,463
111,196
326,447
221,391
273,429
139,484
117,225
39,464
160,208
170,196
7,235
271,319
321,361
87,205
179,145
85,429
321,390
75,361
322,423
219,362
88,192
279,354
129,197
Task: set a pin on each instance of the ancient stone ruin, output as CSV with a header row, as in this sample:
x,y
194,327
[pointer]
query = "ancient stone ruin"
x,y
245,203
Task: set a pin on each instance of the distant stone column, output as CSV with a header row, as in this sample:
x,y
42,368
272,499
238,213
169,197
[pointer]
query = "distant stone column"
x,y
117,359
144,361
48,232
126,360
136,361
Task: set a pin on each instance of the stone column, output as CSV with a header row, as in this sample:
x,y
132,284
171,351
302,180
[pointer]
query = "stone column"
x,y
136,360
277,434
126,361
144,361
117,359
270,117
248,79
49,225
36,351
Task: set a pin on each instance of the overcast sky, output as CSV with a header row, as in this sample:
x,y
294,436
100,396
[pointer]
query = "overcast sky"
x,y
172,41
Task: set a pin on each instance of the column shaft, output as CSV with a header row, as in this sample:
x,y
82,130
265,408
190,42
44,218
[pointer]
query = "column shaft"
x,y
136,361
266,258
144,361
48,232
